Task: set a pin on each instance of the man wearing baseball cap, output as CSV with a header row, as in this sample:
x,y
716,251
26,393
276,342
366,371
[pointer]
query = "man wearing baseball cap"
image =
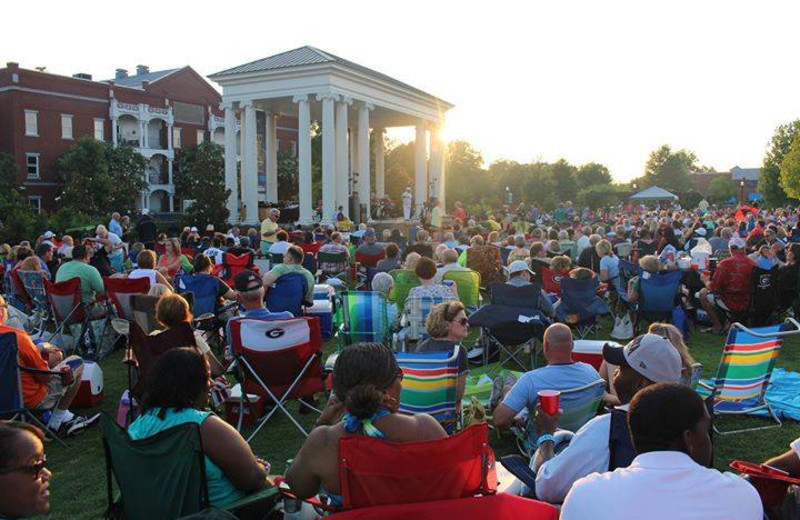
x,y
368,245
646,360
730,288
519,274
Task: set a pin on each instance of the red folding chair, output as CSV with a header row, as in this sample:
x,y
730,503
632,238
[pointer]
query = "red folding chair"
x,y
366,260
235,264
120,291
189,252
497,507
373,472
19,289
551,281
65,303
280,361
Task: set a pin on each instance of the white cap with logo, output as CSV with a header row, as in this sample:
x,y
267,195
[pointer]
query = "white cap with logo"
x,y
650,355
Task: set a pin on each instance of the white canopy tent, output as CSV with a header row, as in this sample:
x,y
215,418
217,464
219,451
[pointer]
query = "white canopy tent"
x,y
654,193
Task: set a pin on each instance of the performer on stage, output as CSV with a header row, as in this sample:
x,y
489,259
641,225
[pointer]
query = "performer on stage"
x,y
407,204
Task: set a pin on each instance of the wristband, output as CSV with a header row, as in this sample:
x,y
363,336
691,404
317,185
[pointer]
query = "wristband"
x,y
545,438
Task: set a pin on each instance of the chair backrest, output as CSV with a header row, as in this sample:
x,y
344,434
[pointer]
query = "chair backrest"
x,y
765,296
657,292
65,301
326,261
375,472
365,317
579,298
404,281
144,311
146,349
627,270
569,248
487,261
34,286
370,260
120,291
429,384
161,477
279,352
310,262
418,310
505,252
203,289
19,289
10,385
580,405
624,249
287,294
235,264
620,444
468,284
747,362
551,281
275,258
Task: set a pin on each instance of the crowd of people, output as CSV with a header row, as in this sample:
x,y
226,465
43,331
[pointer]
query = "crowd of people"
x,y
646,382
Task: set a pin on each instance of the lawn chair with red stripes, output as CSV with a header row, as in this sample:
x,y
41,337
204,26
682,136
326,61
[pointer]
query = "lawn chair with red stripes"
x,y
235,264
280,361
120,291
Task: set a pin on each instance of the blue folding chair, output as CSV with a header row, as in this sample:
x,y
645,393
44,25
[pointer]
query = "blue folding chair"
x,y
205,302
627,270
657,294
11,401
287,294
580,305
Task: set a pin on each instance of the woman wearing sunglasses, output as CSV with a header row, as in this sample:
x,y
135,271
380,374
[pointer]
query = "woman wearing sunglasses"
x,y
22,469
447,326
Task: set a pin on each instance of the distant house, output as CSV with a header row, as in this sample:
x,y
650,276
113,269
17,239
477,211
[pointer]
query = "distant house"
x,y
701,181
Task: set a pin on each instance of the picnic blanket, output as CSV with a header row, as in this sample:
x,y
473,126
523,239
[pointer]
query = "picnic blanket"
x,y
783,394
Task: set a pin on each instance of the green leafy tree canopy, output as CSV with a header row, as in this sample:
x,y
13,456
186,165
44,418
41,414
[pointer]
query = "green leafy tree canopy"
x,y
769,182
669,170
200,178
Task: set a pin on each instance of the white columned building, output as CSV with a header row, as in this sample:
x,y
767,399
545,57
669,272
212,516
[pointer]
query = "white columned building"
x,y
348,101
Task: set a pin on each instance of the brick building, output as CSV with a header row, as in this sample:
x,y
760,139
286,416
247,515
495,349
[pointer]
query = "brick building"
x,y
42,115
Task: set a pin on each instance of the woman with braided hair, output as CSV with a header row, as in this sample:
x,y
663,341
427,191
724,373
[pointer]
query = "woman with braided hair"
x,y
366,386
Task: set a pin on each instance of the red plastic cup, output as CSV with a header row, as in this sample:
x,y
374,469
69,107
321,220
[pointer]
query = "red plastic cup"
x,y
548,400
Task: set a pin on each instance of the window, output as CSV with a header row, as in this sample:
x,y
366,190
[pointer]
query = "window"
x,y
201,136
35,202
32,123
66,126
32,162
176,137
188,113
100,129
294,148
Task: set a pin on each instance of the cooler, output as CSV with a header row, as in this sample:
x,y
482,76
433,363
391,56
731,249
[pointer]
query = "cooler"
x,y
90,391
590,351
323,309
253,410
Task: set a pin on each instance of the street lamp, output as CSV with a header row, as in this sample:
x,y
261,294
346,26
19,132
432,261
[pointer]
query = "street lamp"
x,y
741,192
634,186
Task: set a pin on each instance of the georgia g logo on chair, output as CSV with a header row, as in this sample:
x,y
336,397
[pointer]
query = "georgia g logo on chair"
x,y
275,333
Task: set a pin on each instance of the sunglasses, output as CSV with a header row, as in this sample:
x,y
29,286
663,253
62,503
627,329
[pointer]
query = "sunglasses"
x,y
35,469
463,321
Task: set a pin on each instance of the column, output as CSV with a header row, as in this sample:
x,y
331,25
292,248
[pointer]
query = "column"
x,y
270,157
380,151
437,164
249,169
241,178
141,133
420,170
342,163
230,161
171,186
328,156
304,159
170,127
114,130
364,184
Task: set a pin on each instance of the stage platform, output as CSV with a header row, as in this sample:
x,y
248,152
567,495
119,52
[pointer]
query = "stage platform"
x,y
404,226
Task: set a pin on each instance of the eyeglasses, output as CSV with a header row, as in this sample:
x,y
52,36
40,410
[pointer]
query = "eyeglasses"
x,y
35,469
463,321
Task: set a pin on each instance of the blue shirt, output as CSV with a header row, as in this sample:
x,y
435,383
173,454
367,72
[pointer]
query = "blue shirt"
x,y
525,392
611,264
115,227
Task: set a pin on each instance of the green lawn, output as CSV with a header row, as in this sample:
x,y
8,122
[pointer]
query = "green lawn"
x,y
79,481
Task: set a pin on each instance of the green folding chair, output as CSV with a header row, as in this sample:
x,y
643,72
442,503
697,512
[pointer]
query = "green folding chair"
x,y
404,281
364,318
468,284
161,477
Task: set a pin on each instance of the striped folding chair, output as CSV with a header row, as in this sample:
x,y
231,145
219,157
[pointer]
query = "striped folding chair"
x,y
468,284
417,310
744,371
33,281
365,318
429,385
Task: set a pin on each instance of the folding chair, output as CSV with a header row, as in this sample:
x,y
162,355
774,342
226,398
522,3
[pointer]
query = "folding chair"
x,y
120,291
310,262
580,306
33,281
430,384
280,361
11,400
144,349
764,297
415,318
657,297
364,318
569,248
624,249
374,472
366,260
19,295
468,284
404,281
144,312
275,259
505,252
175,467
66,305
325,261
748,358
511,323
288,294
235,264
209,316
627,270
486,260
551,281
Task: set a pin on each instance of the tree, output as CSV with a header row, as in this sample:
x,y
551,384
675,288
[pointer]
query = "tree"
x,y
565,183
669,170
200,177
17,220
721,189
99,179
593,174
769,182
288,176
790,169
467,181
602,195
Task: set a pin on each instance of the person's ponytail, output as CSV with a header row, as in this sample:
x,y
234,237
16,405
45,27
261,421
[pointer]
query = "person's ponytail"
x,y
363,401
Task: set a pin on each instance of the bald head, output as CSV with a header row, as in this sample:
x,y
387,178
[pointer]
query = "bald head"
x,y
558,343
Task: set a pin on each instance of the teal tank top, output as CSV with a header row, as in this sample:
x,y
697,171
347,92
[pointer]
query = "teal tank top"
x,y
221,491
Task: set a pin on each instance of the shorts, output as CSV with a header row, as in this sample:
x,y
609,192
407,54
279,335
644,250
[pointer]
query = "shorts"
x,y
265,245
56,389
716,300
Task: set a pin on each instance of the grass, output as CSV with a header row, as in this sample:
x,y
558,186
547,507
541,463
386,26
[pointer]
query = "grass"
x,y
79,480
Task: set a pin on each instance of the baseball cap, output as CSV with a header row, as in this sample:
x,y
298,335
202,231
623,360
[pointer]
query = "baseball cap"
x,y
517,266
369,234
193,230
247,280
650,355
736,242
49,235
701,231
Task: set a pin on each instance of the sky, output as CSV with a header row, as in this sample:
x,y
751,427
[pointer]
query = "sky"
x,y
605,81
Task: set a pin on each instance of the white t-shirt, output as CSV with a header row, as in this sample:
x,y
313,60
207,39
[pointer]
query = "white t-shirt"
x,y
663,485
115,243
150,274
279,248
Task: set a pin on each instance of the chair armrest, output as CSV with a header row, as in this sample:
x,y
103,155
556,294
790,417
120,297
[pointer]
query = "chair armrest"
x,y
705,386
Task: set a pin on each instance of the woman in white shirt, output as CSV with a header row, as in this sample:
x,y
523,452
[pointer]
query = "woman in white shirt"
x,y
146,261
